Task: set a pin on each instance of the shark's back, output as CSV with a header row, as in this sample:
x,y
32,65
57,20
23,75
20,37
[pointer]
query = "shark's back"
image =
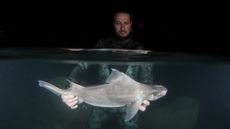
x,y
120,90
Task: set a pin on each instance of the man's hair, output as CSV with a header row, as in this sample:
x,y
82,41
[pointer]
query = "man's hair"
x,y
122,10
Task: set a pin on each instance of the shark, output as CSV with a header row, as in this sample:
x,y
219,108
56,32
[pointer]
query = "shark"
x,y
119,90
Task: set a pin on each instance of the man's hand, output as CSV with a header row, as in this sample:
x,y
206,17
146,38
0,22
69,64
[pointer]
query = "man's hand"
x,y
70,100
144,104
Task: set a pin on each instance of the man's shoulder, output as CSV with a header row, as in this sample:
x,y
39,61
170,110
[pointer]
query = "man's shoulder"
x,y
135,44
111,42
104,42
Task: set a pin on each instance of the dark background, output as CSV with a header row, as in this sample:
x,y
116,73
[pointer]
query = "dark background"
x,y
160,26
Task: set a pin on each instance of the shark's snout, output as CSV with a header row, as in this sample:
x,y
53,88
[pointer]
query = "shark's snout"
x,y
163,92
158,92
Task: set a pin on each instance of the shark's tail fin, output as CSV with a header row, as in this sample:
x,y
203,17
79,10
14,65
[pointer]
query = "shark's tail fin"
x,y
51,87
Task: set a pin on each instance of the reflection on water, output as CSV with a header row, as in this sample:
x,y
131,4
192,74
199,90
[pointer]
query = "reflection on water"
x,y
197,96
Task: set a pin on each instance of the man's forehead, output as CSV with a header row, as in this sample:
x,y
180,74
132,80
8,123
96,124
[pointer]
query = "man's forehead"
x,y
122,15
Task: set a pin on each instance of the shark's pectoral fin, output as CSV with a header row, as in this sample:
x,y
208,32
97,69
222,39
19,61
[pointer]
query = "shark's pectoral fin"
x,y
132,110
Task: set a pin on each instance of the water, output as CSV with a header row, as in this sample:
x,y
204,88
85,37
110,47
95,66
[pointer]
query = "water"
x,y
197,97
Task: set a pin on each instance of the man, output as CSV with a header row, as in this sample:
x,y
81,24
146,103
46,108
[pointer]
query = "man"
x,y
121,40
123,33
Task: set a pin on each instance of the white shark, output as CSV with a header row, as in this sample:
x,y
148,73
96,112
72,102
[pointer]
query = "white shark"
x,y
119,90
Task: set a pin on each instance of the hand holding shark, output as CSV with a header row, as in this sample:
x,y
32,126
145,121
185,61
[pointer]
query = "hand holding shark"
x,y
72,101
119,90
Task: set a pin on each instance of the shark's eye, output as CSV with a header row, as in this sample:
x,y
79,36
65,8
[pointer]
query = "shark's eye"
x,y
152,96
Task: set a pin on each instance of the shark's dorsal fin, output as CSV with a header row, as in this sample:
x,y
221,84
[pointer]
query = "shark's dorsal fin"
x,y
119,77
74,85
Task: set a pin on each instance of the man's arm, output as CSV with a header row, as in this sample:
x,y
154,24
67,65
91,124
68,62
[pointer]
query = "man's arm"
x,y
76,76
146,76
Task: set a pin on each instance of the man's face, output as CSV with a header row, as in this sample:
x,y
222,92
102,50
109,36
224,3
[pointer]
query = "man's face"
x,y
122,24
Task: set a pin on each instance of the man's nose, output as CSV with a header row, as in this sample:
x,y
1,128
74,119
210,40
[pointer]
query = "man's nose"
x,y
122,27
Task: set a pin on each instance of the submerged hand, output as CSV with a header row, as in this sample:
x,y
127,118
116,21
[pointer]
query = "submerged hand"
x,y
143,105
70,100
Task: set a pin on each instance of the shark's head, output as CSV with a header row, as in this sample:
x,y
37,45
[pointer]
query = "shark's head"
x,y
156,92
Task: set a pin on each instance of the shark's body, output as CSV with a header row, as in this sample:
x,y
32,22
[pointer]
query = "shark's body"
x,y
119,90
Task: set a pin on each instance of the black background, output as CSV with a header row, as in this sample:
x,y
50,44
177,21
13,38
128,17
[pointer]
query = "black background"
x,y
160,26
